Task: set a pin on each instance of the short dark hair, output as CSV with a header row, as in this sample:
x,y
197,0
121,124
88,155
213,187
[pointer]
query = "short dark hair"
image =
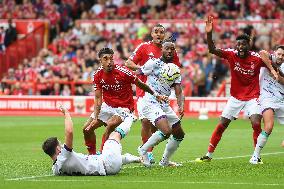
x,y
279,47
159,26
243,37
171,39
105,50
49,146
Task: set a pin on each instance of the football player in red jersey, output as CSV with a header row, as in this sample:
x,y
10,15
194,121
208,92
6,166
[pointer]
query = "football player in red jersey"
x,y
245,68
113,97
145,51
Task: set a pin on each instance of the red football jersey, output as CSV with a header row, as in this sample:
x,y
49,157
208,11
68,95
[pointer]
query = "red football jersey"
x,y
116,86
244,74
142,54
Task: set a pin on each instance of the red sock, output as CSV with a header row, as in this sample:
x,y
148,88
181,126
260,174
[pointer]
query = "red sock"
x,y
216,137
91,146
256,131
103,142
144,140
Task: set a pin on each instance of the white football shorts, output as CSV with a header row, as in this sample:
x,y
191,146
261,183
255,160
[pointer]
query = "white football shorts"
x,y
107,112
153,111
235,106
270,102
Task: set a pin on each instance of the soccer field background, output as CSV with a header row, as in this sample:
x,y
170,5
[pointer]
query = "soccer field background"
x,y
24,165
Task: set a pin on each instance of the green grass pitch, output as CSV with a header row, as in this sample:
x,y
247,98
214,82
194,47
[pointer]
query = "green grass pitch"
x,y
23,164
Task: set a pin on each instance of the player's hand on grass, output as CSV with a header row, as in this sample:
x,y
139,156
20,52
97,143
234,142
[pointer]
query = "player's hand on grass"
x,y
209,24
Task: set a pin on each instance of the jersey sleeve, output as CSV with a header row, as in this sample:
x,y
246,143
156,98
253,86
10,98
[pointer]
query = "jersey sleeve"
x,y
130,76
136,56
61,158
227,53
148,67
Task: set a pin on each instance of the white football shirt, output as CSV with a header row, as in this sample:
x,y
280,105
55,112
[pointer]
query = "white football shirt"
x,y
270,87
69,162
153,68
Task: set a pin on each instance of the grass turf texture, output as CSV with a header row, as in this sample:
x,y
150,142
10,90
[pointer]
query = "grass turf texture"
x,y
21,157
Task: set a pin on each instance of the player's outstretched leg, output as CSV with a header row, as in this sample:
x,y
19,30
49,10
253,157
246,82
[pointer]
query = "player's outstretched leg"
x,y
111,124
172,145
146,132
163,133
268,118
215,139
89,134
129,158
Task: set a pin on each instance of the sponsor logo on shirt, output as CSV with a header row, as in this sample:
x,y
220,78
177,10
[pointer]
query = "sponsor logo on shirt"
x,y
243,71
115,87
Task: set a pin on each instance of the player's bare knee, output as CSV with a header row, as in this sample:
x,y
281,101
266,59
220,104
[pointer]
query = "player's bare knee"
x,y
146,123
177,131
225,121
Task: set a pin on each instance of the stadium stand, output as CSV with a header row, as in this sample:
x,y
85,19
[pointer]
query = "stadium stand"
x,y
66,66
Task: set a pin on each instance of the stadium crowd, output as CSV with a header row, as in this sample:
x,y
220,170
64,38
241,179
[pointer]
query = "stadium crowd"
x,y
72,54
64,11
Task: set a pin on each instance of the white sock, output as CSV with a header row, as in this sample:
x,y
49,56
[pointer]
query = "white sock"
x,y
129,158
209,154
124,127
171,147
261,141
155,139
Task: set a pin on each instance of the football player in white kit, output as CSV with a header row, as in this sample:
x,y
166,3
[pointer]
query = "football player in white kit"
x,y
271,96
162,77
68,162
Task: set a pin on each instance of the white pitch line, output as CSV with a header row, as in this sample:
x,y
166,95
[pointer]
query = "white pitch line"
x,y
159,181
137,166
243,156
27,178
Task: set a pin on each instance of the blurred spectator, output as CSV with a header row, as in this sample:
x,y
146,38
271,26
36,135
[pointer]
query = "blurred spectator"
x,y
2,37
10,34
66,91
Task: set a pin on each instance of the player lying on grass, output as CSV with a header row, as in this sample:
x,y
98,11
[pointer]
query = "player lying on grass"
x,y
113,97
163,76
144,52
271,97
245,68
68,162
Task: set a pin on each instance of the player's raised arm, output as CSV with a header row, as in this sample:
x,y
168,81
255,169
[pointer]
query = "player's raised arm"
x,y
68,127
180,99
210,43
146,69
131,65
265,58
147,89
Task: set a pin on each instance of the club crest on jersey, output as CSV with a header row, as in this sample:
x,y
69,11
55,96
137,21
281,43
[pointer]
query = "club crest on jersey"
x,y
151,54
102,81
117,82
252,65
